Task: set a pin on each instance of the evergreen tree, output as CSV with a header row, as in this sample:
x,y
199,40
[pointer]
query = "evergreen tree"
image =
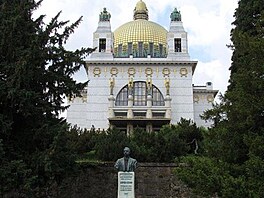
x,y
234,146
240,114
245,92
36,74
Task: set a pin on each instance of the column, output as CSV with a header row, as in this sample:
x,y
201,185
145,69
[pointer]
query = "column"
x,y
111,113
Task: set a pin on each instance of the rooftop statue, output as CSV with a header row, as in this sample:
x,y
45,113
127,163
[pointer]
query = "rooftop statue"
x,y
104,16
175,15
126,163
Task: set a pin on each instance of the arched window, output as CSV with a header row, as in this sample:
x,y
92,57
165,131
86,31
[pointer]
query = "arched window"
x,y
122,97
139,92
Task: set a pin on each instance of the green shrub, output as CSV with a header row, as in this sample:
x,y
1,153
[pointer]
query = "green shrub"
x,y
208,176
110,144
202,174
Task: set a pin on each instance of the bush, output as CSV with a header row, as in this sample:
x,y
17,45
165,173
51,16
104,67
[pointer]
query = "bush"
x,y
163,146
110,144
208,176
202,174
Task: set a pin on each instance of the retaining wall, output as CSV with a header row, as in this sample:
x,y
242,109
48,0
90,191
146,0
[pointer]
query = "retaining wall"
x,y
152,180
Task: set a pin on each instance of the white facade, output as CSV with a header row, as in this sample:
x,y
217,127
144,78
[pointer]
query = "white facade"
x,y
140,89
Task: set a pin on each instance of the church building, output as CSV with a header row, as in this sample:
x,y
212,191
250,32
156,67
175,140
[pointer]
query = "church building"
x,y
140,75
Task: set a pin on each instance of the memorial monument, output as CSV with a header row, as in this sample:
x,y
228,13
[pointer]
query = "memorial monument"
x,y
126,176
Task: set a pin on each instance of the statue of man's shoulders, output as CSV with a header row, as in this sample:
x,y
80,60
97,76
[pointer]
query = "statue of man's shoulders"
x,y
132,159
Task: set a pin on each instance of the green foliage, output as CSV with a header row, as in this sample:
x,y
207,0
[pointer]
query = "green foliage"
x,y
162,146
223,144
143,145
254,173
15,175
234,146
255,144
249,17
245,93
218,114
83,140
209,177
36,74
59,161
171,143
110,144
234,187
239,116
201,173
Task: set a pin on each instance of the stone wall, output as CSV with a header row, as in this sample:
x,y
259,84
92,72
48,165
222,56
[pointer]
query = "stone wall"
x,y
153,180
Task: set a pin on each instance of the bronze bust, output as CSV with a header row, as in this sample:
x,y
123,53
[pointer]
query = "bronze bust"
x,y
126,163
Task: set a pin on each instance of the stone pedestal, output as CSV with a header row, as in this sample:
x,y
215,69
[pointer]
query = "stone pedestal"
x,y
126,185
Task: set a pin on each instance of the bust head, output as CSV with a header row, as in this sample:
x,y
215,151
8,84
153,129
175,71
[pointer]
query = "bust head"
x,y
126,163
126,152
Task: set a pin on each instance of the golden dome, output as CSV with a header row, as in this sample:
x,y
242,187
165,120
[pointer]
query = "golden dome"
x,y
140,37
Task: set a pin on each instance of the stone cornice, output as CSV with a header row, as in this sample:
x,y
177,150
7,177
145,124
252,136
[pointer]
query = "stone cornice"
x,y
141,62
205,91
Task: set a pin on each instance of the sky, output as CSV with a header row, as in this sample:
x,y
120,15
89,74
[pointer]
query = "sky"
x,y
208,23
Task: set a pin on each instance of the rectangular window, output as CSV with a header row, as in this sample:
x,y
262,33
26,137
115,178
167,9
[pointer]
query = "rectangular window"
x,y
140,94
140,49
158,114
129,49
161,49
139,114
102,45
120,114
151,49
177,45
119,50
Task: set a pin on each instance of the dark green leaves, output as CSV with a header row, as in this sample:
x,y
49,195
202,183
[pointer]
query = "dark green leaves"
x,y
36,75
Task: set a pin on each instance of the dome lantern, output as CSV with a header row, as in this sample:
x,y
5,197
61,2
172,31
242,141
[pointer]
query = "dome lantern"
x,y
141,11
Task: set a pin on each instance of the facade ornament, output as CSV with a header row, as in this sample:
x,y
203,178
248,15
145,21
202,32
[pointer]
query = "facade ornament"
x,y
210,98
130,86
111,84
84,95
167,85
131,72
196,98
183,72
104,16
149,85
97,71
140,71
157,72
114,71
175,15
148,72
166,72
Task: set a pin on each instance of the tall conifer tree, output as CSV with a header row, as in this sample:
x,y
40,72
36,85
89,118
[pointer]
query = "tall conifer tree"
x,y
233,165
240,115
246,90
36,74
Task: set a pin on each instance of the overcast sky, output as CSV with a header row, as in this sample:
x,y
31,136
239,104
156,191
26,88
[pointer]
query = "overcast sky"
x,y
208,23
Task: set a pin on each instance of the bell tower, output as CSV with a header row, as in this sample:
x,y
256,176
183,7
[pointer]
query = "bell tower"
x,y
177,38
103,37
